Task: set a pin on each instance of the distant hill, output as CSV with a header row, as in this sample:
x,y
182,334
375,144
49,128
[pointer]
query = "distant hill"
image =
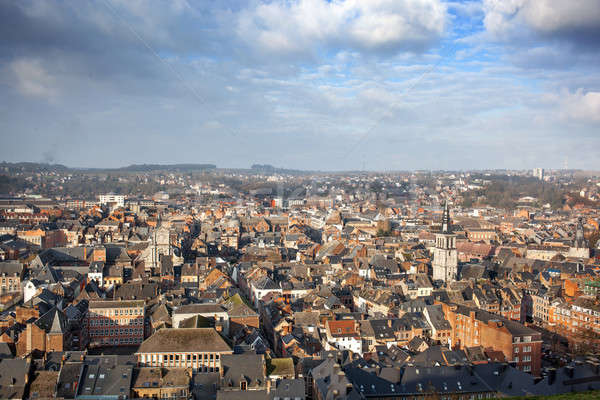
x,y
31,167
269,169
167,167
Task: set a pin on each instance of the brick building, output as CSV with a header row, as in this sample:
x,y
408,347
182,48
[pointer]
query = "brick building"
x,y
115,322
519,344
48,333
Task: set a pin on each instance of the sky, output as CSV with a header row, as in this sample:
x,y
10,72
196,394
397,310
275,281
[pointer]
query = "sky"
x,y
306,84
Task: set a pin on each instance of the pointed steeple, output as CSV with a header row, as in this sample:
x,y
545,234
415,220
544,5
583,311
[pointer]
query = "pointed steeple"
x,y
446,218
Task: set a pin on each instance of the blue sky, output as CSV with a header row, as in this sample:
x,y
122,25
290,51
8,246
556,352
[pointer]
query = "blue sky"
x,y
309,84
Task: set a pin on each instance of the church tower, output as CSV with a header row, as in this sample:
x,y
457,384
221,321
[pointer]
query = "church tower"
x,y
579,247
445,256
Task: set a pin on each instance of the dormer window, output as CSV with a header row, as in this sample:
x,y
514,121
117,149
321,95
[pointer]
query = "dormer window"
x,y
243,385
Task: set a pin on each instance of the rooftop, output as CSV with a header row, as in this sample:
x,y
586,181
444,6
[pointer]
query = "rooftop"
x,y
184,340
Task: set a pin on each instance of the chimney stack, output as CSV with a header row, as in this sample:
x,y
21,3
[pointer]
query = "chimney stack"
x,y
551,375
569,370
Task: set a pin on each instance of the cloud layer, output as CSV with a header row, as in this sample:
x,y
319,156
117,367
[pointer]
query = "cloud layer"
x,y
315,84
307,26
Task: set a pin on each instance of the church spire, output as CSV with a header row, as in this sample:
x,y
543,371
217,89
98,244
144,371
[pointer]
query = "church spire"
x,y
446,218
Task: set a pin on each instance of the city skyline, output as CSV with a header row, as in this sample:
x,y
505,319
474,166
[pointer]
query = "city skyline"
x,y
308,84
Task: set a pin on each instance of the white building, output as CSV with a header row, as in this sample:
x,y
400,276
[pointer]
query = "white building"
x,y
118,199
343,335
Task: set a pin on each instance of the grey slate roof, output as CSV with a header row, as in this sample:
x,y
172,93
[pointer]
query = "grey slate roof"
x,y
54,321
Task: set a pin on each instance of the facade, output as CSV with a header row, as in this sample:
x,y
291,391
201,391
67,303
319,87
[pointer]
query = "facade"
x,y
519,344
115,322
11,277
161,383
445,255
118,199
344,335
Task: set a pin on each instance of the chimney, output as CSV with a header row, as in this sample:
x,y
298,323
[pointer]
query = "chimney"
x,y
569,370
336,368
348,389
551,375
596,367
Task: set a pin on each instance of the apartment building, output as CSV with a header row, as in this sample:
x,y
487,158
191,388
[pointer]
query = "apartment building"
x,y
115,322
11,272
118,199
473,327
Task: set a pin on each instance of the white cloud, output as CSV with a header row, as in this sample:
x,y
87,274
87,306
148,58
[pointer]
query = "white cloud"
x,y
581,106
304,26
578,106
32,79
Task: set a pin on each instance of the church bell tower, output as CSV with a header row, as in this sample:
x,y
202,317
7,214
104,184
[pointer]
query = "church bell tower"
x,y
445,256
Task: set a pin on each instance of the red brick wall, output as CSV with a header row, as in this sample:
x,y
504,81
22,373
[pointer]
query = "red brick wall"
x,y
24,314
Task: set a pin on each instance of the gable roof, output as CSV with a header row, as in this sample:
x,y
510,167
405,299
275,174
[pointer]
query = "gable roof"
x,y
184,340
54,321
